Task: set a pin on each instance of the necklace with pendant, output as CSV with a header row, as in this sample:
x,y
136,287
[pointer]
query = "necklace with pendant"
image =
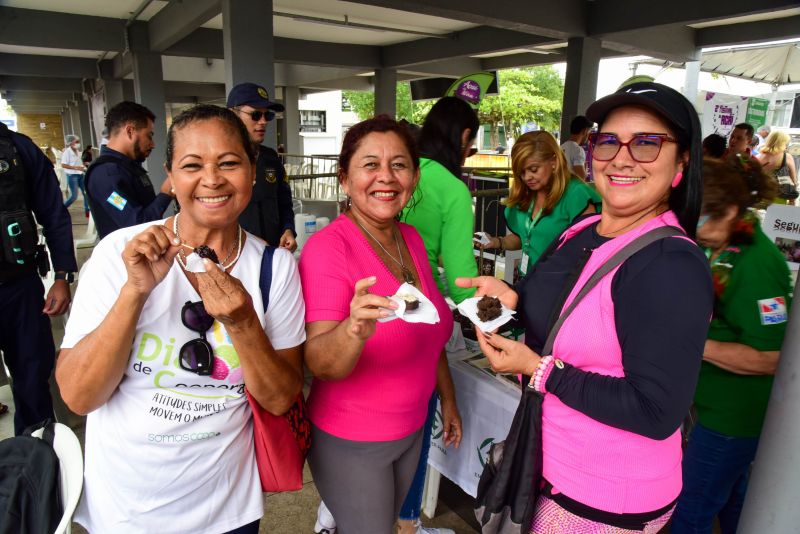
x,y
408,276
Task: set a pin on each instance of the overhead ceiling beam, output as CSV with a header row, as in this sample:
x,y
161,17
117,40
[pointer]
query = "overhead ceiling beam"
x,y
48,66
610,16
675,42
749,32
37,83
450,68
37,110
480,40
206,42
177,20
51,29
558,20
39,95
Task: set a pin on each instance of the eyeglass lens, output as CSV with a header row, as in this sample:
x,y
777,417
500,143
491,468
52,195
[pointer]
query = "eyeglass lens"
x,y
643,148
197,355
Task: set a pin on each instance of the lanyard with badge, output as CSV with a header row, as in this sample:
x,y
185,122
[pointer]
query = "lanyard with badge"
x,y
529,223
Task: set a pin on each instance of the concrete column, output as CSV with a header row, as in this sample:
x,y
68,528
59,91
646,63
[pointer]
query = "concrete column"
x,y
249,55
85,126
291,121
691,81
148,87
580,85
66,123
113,92
75,120
386,92
771,503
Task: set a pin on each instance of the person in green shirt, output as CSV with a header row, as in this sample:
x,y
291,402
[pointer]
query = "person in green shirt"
x,y
544,200
752,298
441,208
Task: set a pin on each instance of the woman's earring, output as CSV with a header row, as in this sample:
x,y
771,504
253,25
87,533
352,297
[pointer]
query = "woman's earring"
x,y
254,181
677,180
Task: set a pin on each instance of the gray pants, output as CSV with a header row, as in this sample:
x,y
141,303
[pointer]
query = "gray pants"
x,y
363,483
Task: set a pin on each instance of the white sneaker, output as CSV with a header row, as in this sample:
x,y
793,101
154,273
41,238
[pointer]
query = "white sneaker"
x,y
325,524
428,530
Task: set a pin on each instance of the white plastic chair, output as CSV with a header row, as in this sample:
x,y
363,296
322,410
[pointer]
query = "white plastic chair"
x,y
70,461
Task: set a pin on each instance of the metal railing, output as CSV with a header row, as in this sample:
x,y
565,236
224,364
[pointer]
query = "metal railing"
x,y
312,177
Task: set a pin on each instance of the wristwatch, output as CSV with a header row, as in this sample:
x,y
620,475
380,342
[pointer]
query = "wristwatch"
x,y
69,277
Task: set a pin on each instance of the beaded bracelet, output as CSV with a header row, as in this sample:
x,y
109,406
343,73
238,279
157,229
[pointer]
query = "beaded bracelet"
x,y
545,364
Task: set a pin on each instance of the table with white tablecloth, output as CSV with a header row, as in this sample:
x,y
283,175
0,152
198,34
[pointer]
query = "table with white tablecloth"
x,y
487,404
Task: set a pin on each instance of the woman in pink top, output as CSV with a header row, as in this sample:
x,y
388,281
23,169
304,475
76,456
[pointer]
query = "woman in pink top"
x,y
372,380
625,363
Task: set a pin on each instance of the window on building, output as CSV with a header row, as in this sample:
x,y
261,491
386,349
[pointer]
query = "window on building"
x,y
312,120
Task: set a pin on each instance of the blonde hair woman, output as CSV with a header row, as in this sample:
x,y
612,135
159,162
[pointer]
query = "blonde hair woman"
x,y
545,197
775,160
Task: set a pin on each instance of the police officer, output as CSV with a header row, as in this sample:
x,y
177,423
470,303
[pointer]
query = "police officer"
x,y
28,188
269,214
120,192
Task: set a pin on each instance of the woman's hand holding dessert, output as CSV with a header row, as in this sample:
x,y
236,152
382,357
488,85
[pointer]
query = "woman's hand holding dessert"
x,y
489,285
366,308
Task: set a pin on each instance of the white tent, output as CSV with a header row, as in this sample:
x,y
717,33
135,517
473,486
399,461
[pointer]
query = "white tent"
x,y
775,64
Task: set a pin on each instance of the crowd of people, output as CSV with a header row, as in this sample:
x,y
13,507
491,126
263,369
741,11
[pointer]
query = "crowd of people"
x,y
169,329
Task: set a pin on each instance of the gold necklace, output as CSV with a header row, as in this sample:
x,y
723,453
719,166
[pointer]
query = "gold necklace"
x,y
408,277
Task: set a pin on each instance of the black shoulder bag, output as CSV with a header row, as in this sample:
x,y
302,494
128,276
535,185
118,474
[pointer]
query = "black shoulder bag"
x,y
511,480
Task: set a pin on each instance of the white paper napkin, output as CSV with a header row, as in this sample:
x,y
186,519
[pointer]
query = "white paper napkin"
x,y
194,263
425,313
469,309
481,238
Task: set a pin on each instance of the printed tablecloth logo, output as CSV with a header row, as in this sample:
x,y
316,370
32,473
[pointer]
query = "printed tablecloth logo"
x,y
438,425
483,450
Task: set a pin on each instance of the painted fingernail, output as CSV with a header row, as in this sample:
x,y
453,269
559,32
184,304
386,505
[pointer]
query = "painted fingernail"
x,y
176,241
384,313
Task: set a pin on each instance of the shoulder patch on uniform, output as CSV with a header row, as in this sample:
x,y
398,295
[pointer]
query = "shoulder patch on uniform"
x,y
116,200
773,311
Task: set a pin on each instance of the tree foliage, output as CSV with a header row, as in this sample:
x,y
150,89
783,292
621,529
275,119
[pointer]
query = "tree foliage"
x,y
526,95
363,104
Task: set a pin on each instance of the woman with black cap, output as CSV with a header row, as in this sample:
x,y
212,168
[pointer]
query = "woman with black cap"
x,y
625,363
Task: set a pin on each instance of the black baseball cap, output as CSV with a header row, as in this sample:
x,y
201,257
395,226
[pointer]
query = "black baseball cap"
x,y
253,95
665,101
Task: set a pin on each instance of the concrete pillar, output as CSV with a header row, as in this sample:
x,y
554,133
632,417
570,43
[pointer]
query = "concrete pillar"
x,y
85,126
75,120
249,55
771,501
580,85
691,81
148,86
113,92
66,123
291,121
386,92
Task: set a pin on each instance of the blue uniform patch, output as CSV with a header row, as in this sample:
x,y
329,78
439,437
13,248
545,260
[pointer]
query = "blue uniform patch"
x,y
773,311
116,200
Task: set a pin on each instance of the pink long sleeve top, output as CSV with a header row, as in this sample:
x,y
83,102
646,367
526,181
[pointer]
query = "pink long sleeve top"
x,y
386,395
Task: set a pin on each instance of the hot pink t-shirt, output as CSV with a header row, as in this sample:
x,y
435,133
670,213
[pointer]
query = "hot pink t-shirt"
x,y
386,395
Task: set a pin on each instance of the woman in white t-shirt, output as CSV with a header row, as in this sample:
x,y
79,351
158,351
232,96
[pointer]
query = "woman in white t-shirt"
x,y
158,352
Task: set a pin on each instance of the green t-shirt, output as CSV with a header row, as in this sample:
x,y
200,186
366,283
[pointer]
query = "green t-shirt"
x,y
441,211
753,311
536,235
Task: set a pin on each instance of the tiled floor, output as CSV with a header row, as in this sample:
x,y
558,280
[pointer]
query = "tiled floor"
x,y
286,513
